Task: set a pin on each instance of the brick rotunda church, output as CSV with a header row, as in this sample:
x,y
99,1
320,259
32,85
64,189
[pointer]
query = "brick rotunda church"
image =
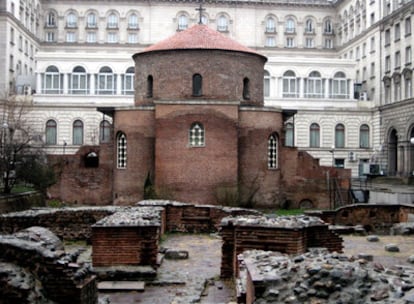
x,y
199,132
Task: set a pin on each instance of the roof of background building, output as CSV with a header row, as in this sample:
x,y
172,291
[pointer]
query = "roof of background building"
x,y
199,37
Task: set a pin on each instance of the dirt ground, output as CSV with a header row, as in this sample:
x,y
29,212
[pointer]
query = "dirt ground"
x,y
183,281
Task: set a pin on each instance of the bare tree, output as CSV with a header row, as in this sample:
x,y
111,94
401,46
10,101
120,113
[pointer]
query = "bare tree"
x,y
18,140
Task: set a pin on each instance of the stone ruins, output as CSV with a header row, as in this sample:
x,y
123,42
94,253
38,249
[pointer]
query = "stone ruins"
x,y
288,259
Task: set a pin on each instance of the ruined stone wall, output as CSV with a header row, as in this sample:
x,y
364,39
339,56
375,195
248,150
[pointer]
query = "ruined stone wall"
x,y
79,184
19,202
67,223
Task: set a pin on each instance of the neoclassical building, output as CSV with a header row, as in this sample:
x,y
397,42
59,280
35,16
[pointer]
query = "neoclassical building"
x,y
343,67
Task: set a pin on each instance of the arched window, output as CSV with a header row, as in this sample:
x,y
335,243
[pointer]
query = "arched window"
x,y
364,136
246,88
128,81
112,21
77,132
266,84
290,25
270,25
104,131
182,22
339,136
314,87
52,80
339,87
197,85
106,82
290,84
272,152
327,26
150,86
289,137
78,81
91,21
222,24
196,136
71,20
314,136
309,26
133,21
51,19
51,132
121,149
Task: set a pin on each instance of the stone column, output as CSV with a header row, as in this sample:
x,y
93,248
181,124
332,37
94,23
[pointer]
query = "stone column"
x,y
118,84
301,87
65,83
92,84
39,83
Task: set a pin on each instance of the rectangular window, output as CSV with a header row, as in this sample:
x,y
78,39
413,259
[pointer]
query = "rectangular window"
x,y
132,38
387,64
408,26
364,74
397,32
12,36
357,54
364,50
387,37
50,37
112,37
309,43
372,69
328,43
11,63
70,37
270,41
91,37
397,59
290,42
372,18
408,55
372,46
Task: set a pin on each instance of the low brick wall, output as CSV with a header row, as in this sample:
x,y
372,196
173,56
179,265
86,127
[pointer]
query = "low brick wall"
x,y
21,201
374,217
261,233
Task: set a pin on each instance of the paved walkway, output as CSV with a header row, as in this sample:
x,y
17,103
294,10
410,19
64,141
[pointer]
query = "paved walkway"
x,y
193,280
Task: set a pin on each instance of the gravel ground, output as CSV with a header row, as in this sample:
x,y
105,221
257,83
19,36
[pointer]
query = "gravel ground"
x,y
183,281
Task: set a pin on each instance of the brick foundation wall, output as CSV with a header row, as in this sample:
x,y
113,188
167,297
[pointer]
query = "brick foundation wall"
x,y
115,246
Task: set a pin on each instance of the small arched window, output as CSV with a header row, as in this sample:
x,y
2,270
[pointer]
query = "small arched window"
x,y
77,132
121,149
246,88
182,22
78,81
71,21
339,136
314,135
133,21
104,131
339,87
51,19
128,81
290,84
150,86
196,135
327,26
106,81
112,22
91,21
197,85
222,24
51,132
270,25
52,80
290,25
364,136
309,26
272,152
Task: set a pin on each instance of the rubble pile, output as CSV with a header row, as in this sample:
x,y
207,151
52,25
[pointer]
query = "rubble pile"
x,y
320,277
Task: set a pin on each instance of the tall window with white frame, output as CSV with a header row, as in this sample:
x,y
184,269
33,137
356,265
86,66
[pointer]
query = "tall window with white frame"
x,y
121,149
222,24
270,25
51,132
128,81
290,84
339,87
182,22
272,151
314,85
106,81
52,80
78,81
289,135
339,136
91,21
266,84
196,135
314,135
104,131
364,136
77,132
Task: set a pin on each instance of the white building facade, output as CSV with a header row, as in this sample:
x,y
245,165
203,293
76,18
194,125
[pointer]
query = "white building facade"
x,y
344,67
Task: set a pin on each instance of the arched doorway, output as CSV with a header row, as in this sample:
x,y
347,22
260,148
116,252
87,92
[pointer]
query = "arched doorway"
x,y
392,152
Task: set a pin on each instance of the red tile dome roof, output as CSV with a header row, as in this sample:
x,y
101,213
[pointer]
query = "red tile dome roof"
x,y
199,37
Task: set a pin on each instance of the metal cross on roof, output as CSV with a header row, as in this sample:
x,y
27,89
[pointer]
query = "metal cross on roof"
x,y
200,9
